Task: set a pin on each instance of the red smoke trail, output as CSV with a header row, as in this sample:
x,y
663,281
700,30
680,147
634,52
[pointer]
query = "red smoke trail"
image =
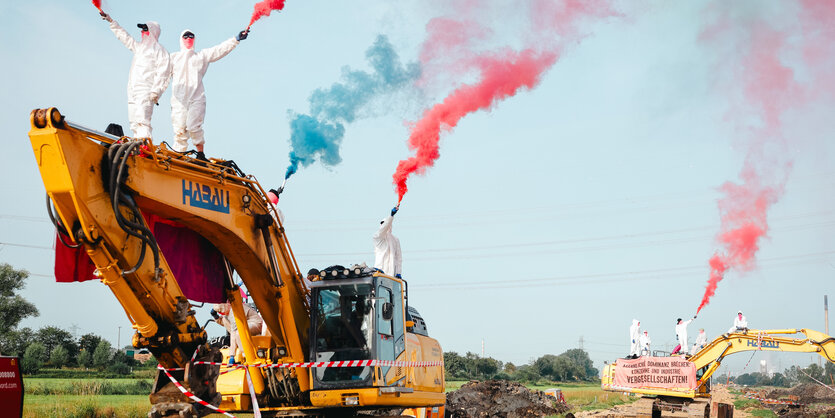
x,y
769,90
501,77
500,74
97,3
264,8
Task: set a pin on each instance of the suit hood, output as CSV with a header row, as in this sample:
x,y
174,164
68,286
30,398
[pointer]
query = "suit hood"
x,y
182,41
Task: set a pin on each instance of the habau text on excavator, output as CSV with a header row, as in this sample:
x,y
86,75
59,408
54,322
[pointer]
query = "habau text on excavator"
x,y
682,385
162,229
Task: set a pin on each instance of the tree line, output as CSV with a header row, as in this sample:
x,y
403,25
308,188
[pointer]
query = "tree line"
x,y
49,346
571,366
788,378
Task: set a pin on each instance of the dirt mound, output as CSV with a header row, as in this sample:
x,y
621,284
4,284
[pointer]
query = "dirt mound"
x,y
806,392
499,398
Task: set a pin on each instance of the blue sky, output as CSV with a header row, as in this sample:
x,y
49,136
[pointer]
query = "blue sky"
x,y
564,212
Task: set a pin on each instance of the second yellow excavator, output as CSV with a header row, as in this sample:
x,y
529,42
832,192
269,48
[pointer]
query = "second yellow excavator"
x,y
159,227
695,399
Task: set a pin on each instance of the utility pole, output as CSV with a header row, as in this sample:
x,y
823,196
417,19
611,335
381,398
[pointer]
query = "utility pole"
x,y
826,314
482,348
119,339
581,342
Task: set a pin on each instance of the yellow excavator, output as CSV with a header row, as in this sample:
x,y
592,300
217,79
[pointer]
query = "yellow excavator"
x,y
696,402
158,226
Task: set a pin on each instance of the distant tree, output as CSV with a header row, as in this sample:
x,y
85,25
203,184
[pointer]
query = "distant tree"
x,y
14,343
101,356
509,368
85,359
33,358
454,366
119,368
52,337
746,379
829,372
584,366
13,307
812,372
779,380
89,342
59,357
121,357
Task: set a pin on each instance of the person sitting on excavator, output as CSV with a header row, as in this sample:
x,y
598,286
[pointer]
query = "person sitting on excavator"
x,y
740,323
223,315
645,344
701,341
387,256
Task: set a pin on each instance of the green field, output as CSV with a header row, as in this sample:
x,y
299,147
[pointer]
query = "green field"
x,y
92,398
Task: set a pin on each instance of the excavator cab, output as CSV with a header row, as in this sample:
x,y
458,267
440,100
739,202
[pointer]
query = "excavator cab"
x,y
356,316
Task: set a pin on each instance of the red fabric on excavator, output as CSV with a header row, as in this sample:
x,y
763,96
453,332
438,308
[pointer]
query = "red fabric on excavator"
x,y
195,262
72,264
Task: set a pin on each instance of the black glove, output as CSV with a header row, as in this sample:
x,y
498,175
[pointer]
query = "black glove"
x,y
242,35
214,314
393,210
694,316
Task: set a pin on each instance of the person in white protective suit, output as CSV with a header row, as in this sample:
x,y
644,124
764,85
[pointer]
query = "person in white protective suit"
x,y
681,334
635,338
701,341
645,344
188,98
223,315
150,72
387,256
740,323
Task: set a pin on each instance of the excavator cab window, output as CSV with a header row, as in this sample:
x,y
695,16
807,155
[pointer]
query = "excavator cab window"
x,y
344,327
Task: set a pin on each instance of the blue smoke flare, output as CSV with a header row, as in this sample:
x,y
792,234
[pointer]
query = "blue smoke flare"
x,y
319,134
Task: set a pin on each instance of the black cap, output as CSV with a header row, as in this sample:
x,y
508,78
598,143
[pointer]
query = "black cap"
x,y
678,320
313,272
143,26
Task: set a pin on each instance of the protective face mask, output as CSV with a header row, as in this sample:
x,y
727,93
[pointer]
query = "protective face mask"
x,y
145,35
188,42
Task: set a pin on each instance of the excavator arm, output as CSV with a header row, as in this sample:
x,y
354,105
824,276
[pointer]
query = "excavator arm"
x,y
101,189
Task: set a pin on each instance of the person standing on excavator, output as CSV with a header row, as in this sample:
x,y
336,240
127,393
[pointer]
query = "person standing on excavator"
x,y
188,98
149,75
681,334
634,339
387,256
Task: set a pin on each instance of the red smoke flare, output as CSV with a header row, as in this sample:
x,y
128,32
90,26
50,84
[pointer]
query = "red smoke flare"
x,y
769,89
97,3
501,77
264,8
449,48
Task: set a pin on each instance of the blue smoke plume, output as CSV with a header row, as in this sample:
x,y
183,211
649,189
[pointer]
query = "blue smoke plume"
x,y
320,133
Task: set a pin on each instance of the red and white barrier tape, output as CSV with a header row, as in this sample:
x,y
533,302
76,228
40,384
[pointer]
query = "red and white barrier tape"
x,y
347,363
191,395
774,401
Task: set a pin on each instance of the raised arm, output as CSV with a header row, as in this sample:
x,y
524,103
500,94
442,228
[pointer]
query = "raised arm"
x,y
123,35
221,50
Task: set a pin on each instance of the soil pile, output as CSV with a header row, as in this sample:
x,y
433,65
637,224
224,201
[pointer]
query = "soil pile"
x,y
806,392
499,398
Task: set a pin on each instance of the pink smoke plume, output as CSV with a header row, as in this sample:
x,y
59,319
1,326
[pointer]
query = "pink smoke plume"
x,y
500,72
264,8
769,89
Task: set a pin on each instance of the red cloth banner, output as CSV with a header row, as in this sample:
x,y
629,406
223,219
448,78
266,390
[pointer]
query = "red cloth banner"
x,y
11,387
655,372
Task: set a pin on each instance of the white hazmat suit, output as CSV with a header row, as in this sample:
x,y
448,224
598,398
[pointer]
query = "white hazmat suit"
x,y
188,98
681,332
635,338
740,323
701,341
387,256
227,318
149,75
645,344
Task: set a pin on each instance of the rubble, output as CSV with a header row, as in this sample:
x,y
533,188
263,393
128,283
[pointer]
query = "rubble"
x,y
502,399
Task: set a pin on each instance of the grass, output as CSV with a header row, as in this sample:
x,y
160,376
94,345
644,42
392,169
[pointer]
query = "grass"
x,y
746,403
765,413
40,386
86,406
